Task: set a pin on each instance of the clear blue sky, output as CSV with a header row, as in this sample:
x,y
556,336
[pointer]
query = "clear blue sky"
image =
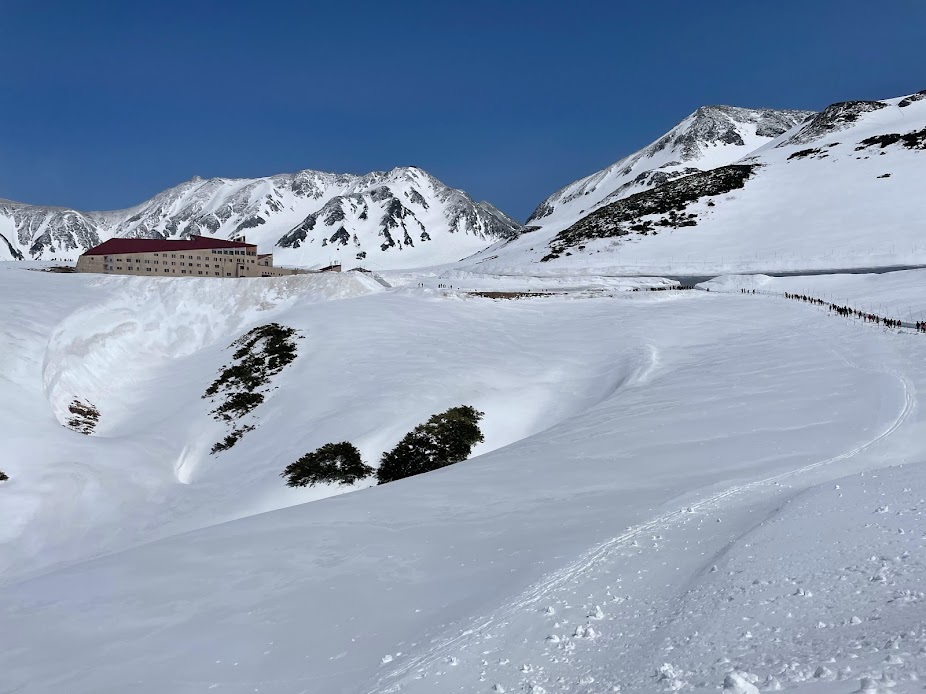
x,y
106,103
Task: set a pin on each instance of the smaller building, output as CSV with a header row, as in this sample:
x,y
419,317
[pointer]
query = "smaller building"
x,y
197,256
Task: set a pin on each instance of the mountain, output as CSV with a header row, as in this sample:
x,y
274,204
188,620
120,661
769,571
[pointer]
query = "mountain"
x,y
401,218
732,190
711,136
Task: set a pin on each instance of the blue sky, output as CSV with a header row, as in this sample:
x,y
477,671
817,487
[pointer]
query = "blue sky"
x,y
107,103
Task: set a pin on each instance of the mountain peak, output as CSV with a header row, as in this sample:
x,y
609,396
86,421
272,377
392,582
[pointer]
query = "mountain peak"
x,y
711,136
403,217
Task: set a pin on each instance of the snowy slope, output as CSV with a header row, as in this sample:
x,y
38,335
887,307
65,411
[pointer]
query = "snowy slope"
x,y
710,137
400,218
842,190
632,441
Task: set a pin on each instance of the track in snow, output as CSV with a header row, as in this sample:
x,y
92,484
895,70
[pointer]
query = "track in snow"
x,y
605,551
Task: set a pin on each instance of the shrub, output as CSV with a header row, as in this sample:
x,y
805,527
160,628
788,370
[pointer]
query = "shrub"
x,y
3,476
231,439
445,439
333,463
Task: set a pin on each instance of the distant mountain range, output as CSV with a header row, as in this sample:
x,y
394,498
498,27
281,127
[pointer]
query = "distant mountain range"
x,y
400,218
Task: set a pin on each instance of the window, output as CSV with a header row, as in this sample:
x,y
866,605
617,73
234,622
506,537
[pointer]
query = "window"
x,y
147,261
183,272
156,262
228,274
174,262
199,272
216,267
173,255
216,274
182,256
118,267
148,269
155,255
166,270
199,265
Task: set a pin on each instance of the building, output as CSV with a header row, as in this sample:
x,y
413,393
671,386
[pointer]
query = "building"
x,y
197,256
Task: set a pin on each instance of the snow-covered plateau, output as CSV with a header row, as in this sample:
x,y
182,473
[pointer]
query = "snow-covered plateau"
x,y
678,490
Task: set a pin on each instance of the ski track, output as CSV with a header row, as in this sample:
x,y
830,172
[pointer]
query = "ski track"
x,y
604,551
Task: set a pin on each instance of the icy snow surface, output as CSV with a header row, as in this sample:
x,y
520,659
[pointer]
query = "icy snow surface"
x,y
655,507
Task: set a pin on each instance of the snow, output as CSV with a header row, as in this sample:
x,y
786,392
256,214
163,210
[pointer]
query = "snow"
x,y
833,210
666,477
900,295
395,219
682,491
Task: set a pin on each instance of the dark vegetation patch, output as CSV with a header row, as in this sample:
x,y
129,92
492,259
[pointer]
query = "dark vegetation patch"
x,y
624,217
3,476
84,416
911,140
259,355
887,175
333,463
445,439
230,439
816,153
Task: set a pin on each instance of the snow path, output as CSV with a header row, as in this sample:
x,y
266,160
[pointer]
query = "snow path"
x,y
606,552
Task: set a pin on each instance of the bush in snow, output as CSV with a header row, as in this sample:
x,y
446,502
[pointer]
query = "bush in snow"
x,y
445,439
333,463
242,386
3,476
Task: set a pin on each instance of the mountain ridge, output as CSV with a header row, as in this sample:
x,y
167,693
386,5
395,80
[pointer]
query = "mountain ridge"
x,y
269,209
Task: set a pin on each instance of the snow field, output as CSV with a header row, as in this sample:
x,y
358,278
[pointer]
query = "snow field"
x,y
899,295
618,431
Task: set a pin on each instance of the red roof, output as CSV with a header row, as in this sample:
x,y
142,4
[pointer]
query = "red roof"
x,y
126,246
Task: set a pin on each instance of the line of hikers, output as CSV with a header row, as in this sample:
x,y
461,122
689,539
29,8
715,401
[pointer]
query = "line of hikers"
x,y
663,288
849,312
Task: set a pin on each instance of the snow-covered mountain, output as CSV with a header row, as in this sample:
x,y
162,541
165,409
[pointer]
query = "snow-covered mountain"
x,y
710,137
839,189
401,218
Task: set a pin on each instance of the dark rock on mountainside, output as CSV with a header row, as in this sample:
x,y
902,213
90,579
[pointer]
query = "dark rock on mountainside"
x,y
833,119
911,140
668,202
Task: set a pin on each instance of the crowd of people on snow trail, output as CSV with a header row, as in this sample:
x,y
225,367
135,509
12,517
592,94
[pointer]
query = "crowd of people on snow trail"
x,y
848,311
675,287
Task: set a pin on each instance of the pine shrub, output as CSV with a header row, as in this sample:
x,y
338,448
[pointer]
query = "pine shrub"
x,y
445,439
3,476
333,463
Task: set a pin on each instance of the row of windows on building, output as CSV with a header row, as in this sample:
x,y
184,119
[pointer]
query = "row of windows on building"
x,y
182,272
172,262
109,258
